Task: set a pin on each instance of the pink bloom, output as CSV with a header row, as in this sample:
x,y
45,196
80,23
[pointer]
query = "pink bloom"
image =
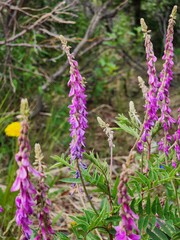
x,y
127,226
121,234
166,77
24,200
151,105
78,113
1,209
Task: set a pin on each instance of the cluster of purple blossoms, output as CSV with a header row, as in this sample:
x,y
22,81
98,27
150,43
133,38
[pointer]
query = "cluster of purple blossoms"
x,y
43,203
166,77
151,105
158,95
176,137
125,231
78,113
24,200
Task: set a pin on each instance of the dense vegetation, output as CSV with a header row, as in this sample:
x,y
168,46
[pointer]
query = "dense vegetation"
x,y
106,39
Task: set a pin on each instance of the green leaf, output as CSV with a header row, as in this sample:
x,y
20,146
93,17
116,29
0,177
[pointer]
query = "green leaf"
x,y
159,208
148,205
133,202
81,222
166,209
154,207
140,208
174,171
145,223
97,220
130,191
61,161
140,223
113,219
153,221
165,228
71,180
144,179
89,214
56,218
152,235
128,129
160,234
176,236
114,190
62,236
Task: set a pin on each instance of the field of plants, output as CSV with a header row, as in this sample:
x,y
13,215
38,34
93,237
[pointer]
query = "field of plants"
x,y
89,120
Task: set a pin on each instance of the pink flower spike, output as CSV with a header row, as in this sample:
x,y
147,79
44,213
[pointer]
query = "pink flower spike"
x,y
24,200
78,113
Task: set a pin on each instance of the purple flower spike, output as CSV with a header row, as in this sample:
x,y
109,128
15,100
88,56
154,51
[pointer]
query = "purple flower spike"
x,y
176,137
166,77
78,113
151,105
24,201
127,226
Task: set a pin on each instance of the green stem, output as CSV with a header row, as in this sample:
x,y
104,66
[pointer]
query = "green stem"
x,y
106,229
85,190
177,197
108,188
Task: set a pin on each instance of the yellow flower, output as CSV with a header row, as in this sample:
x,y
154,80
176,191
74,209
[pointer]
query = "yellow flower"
x,y
13,129
73,223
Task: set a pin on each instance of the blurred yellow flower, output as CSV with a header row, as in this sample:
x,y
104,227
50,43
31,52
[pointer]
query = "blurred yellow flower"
x,y
13,129
73,223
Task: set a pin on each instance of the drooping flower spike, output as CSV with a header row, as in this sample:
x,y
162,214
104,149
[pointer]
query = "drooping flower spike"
x,y
45,230
78,112
24,200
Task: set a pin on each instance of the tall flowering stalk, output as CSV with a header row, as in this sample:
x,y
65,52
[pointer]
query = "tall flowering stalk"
x,y
176,137
24,200
43,203
127,229
166,77
78,113
151,105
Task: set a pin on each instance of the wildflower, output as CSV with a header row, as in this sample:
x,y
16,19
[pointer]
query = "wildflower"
x,y
13,129
176,138
166,76
174,164
139,146
43,203
1,209
78,113
24,200
121,234
151,105
127,226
